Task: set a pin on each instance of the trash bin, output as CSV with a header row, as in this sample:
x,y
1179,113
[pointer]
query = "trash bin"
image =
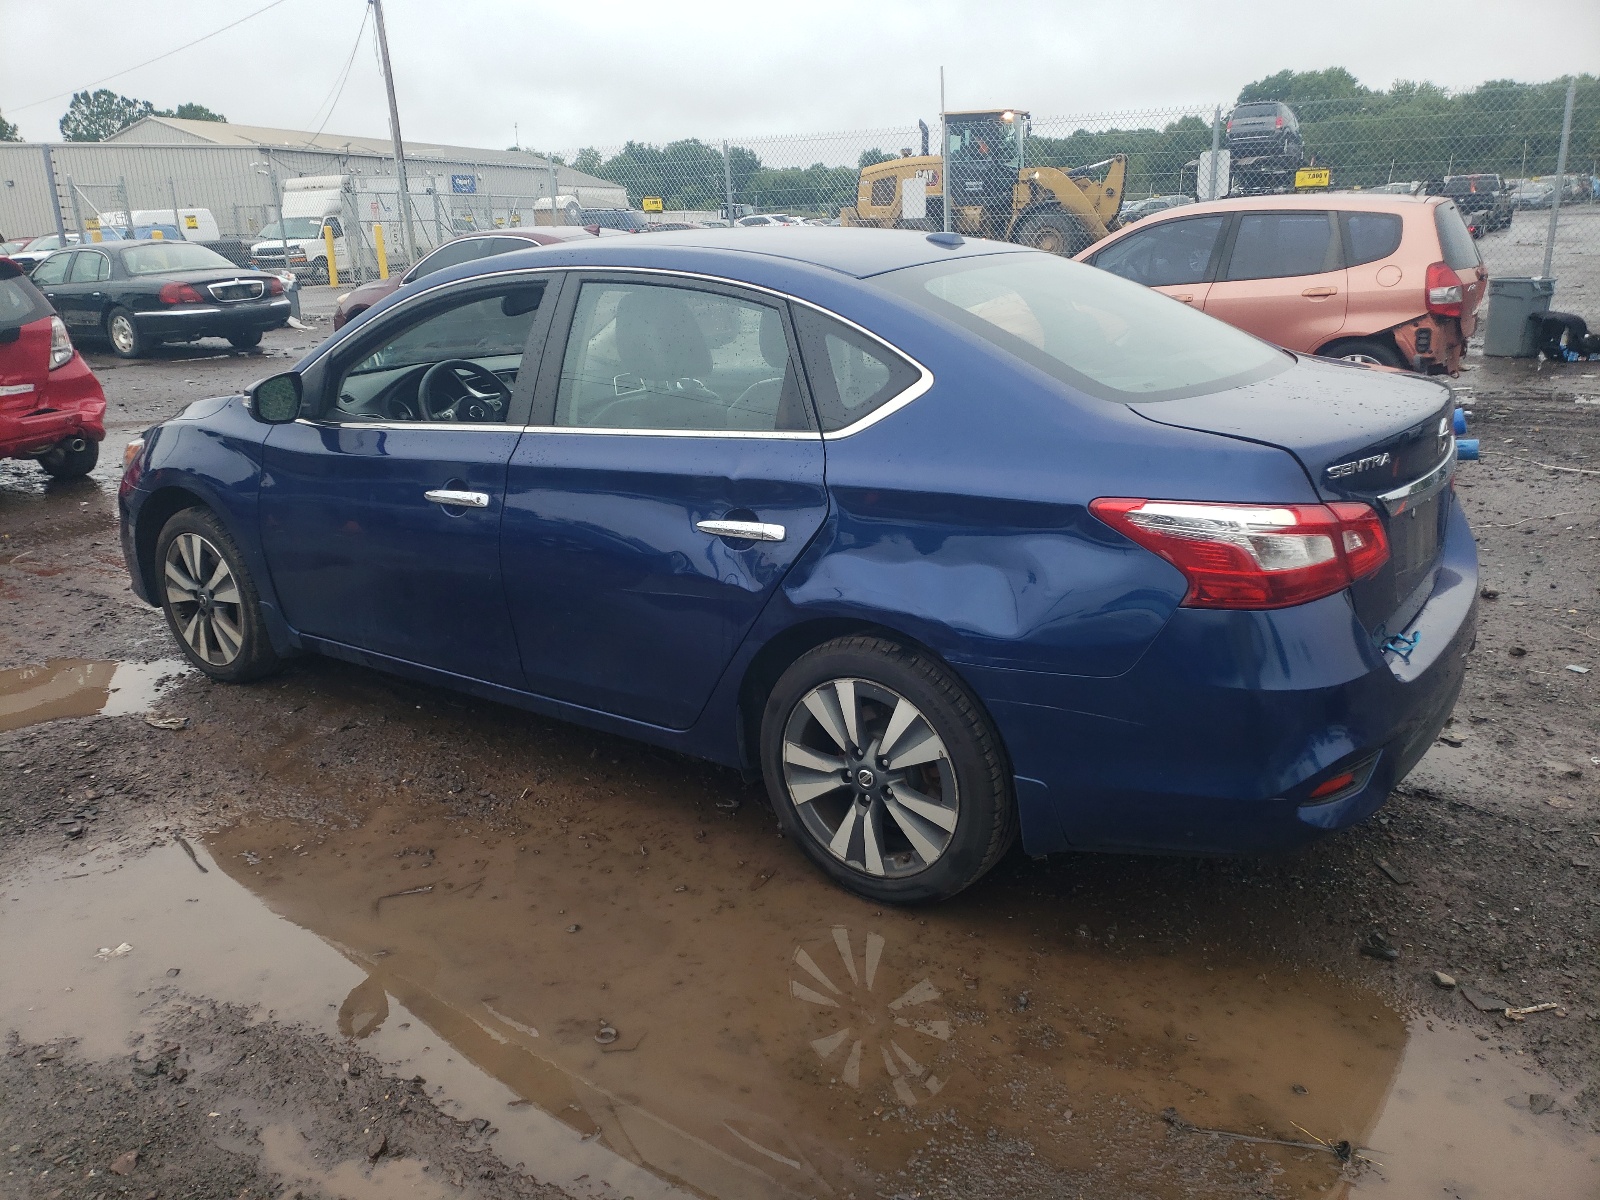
x,y
1517,304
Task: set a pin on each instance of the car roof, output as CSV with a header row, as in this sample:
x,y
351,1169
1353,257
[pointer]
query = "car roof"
x,y
1342,201
854,252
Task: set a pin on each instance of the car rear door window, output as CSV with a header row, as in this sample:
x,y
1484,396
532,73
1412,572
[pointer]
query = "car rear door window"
x,y
651,356
453,254
852,375
1166,254
89,266
1369,236
1276,245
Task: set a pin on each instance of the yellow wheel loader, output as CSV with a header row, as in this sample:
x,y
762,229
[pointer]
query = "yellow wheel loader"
x,y
993,191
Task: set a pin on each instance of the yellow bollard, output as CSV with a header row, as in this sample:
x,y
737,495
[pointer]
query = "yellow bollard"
x,y
333,264
383,255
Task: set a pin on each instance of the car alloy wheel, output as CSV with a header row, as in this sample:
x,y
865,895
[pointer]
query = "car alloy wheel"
x,y
1363,358
123,335
870,779
206,603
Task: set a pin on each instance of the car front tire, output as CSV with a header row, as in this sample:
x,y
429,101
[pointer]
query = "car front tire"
x,y
886,771
122,331
245,341
210,601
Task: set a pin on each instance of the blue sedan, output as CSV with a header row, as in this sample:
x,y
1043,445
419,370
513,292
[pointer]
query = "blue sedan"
x,y
950,541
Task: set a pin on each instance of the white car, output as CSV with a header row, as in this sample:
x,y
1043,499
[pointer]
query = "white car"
x,y
782,219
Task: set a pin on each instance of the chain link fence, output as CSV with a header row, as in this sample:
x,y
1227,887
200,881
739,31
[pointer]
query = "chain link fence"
x,y
1493,149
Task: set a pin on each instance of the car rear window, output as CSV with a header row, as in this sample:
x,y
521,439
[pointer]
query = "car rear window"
x,y
20,302
1095,332
1255,110
160,257
1455,240
1370,236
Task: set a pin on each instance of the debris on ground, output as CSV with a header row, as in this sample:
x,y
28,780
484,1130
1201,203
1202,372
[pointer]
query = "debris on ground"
x,y
1444,980
1378,946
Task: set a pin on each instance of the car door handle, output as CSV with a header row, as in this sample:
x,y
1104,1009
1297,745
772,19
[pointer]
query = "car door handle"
x,y
454,499
753,531
1318,293
1186,298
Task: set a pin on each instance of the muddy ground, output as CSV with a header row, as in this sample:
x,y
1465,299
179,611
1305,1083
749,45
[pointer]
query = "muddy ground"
x,y
384,940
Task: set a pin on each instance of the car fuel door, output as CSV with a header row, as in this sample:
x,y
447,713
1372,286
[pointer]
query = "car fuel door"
x,y
381,508
671,479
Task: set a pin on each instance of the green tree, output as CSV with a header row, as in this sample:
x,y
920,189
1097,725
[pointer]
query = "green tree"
x,y
870,157
588,160
8,131
192,112
1295,87
685,174
95,116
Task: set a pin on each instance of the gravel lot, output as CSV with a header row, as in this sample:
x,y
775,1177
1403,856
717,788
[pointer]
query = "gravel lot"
x,y
384,940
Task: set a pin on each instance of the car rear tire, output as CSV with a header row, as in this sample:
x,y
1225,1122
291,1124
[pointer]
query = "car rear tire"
x,y
886,771
245,341
122,331
318,275
1371,353
1055,232
63,461
210,601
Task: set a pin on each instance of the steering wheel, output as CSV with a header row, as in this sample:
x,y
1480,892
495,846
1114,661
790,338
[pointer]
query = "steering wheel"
x,y
475,405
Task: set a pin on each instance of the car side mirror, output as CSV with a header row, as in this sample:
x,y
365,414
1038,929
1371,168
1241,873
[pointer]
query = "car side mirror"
x,y
276,400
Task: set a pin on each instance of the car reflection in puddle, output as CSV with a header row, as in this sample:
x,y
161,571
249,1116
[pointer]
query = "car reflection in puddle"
x,y
692,1019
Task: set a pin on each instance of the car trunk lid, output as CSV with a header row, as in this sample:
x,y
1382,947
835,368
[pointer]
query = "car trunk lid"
x,y
1370,435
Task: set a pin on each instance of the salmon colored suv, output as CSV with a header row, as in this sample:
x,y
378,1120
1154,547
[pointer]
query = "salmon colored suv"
x,y
1393,280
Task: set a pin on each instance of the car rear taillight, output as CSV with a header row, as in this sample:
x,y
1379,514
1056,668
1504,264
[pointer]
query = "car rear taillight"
x,y
60,344
1280,123
1254,555
1230,125
1444,290
180,293
274,286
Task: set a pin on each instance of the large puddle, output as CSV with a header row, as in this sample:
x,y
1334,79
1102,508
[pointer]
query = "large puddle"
x,y
696,1015
75,687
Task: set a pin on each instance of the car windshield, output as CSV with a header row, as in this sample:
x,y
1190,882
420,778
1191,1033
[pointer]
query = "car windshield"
x,y
170,256
1090,329
298,227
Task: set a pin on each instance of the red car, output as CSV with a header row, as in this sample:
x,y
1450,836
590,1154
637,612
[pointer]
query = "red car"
x,y
51,405
460,250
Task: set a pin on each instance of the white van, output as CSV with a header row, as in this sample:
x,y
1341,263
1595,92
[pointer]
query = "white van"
x,y
310,205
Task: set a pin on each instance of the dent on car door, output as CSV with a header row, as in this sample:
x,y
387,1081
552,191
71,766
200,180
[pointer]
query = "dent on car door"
x,y
381,508
1283,278
1173,257
672,478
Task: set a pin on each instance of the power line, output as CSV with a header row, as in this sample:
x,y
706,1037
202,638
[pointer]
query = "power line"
x,y
147,62
337,91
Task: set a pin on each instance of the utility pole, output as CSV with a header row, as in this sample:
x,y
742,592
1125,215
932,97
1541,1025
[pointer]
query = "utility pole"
x,y
394,134
1561,178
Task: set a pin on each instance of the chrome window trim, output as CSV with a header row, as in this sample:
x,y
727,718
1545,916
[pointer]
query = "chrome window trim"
x,y
893,405
484,426
1424,487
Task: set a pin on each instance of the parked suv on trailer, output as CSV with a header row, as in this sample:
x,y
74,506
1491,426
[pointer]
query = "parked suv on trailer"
x,y
1266,128
51,406
1393,280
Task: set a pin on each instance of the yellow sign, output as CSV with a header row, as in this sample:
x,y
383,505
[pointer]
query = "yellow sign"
x,y
157,235
516,218
92,223
651,204
1313,177
191,221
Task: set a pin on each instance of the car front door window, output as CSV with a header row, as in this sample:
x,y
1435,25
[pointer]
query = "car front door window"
x,y
52,270
649,356
1168,254
459,363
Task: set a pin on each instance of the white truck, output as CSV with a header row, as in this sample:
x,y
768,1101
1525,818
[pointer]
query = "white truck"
x,y
311,205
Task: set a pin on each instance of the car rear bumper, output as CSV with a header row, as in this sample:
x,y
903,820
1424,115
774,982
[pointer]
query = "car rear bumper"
x,y
1214,741
214,320
71,404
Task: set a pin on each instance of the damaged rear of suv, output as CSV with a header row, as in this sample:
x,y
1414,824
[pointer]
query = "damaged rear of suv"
x,y
1389,280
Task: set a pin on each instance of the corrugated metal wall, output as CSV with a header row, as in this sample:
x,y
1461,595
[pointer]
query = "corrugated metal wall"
x,y
232,181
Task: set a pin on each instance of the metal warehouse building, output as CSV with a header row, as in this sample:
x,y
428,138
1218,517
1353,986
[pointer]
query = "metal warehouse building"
x,y
164,162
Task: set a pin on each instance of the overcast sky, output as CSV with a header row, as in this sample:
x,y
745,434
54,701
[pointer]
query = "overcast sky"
x,y
571,74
